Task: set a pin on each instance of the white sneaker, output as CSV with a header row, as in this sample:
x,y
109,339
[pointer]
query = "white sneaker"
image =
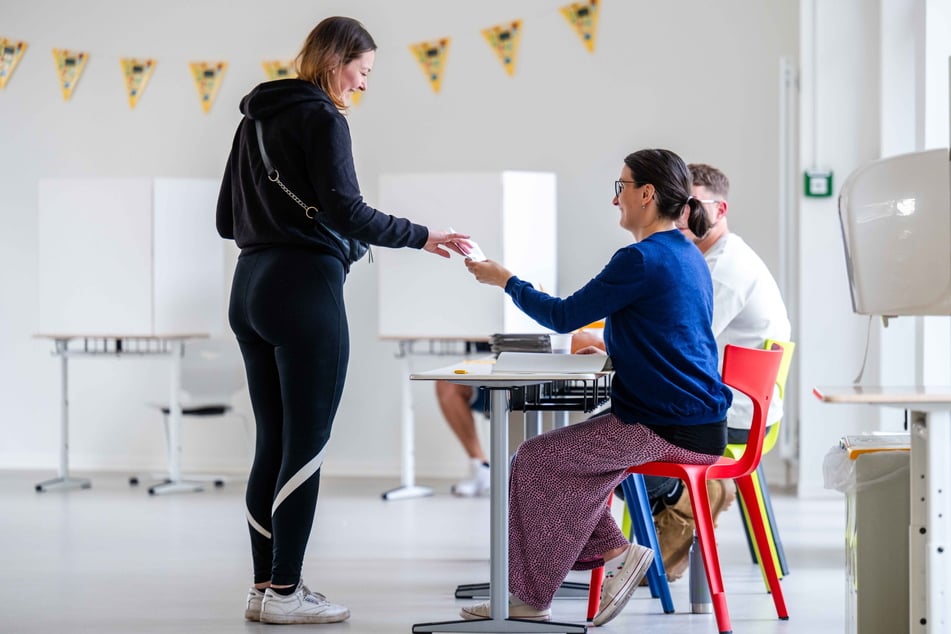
x,y
303,606
478,483
252,610
617,590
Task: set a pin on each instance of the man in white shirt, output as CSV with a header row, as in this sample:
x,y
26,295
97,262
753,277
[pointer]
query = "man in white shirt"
x,y
748,309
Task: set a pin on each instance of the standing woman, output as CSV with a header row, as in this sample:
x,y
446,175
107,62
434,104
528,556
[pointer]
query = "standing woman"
x,y
667,401
287,302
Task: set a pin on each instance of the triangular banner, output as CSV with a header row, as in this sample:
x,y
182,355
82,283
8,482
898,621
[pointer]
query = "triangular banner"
x,y
10,54
69,67
136,73
504,40
583,16
208,76
279,70
431,57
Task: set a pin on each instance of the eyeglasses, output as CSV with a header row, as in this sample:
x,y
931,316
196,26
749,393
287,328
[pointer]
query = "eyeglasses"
x,y
619,186
708,202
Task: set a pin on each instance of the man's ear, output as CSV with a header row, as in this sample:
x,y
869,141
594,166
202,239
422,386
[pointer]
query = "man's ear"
x,y
722,209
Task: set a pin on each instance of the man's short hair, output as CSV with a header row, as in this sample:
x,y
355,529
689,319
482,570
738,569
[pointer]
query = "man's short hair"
x,y
704,175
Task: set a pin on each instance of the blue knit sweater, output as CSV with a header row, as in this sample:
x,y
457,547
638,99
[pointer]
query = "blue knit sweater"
x,y
657,298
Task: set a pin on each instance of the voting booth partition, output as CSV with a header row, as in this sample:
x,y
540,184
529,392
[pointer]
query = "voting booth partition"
x,y
121,256
511,215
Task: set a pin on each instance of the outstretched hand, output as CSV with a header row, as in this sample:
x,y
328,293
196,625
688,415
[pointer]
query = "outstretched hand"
x,y
489,272
439,241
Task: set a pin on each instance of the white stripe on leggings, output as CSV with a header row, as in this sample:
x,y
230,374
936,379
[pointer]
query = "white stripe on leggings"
x,y
298,479
256,526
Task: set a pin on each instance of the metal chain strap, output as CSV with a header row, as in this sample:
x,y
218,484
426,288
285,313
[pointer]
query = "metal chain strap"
x,y
276,178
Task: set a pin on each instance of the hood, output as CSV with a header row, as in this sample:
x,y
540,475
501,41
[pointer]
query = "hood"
x,y
273,97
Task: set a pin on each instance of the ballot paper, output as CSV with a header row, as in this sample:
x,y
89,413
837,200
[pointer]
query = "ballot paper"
x,y
475,253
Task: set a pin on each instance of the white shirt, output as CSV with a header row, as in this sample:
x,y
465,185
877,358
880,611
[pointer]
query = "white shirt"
x,y
748,309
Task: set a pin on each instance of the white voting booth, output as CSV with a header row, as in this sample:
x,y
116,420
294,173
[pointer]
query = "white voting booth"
x,y
511,215
128,267
129,256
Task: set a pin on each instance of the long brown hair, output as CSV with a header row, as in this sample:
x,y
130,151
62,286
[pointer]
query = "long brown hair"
x,y
331,44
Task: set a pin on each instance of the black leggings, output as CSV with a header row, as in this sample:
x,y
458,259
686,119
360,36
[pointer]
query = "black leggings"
x,y
288,314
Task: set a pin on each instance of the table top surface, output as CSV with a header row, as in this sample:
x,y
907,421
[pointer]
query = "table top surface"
x,y
885,394
126,335
479,371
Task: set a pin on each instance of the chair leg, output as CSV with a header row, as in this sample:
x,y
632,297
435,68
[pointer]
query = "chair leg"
x,y
597,579
703,520
748,493
772,534
594,592
776,542
642,524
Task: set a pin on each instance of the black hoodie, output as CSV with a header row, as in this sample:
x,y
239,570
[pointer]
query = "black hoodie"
x,y
308,142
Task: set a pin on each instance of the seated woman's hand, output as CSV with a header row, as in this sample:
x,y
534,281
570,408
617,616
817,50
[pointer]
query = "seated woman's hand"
x,y
489,272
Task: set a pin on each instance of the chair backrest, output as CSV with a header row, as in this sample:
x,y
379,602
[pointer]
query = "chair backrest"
x,y
212,371
753,372
788,348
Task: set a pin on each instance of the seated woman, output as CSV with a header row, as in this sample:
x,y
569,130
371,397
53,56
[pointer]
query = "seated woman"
x,y
667,400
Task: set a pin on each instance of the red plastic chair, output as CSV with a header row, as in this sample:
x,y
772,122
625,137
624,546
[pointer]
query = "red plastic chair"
x,y
753,372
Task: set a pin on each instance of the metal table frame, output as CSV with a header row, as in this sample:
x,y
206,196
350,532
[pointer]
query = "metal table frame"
x,y
172,346
502,387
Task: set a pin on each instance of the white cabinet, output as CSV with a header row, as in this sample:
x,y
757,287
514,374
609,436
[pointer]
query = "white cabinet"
x,y
511,215
129,256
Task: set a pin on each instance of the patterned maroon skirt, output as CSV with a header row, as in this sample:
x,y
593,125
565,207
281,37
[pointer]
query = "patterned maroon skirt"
x,y
560,481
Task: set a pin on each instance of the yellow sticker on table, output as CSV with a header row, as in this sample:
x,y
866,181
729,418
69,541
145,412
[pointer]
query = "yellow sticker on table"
x,y
69,68
208,76
431,57
136,73
277,69
504,40
10,54
583,16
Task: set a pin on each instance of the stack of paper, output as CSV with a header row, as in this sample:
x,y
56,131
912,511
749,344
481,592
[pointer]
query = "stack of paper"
x,y
506,342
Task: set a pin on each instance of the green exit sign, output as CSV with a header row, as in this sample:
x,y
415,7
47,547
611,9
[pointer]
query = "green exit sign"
x,y
818,183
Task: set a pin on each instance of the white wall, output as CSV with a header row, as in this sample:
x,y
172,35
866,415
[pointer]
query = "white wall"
x,y
700,78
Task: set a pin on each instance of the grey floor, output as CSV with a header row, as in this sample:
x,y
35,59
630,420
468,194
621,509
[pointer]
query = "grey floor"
x,y
112,559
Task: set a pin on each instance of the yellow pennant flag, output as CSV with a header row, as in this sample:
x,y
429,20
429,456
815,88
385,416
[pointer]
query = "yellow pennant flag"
x,y
10,54
431,57
504,40
208,76
583,16
279,70
69,67
136,73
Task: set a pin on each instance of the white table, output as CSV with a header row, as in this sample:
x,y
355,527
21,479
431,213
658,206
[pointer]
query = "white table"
x,y
499,385
408,348
929,535
123,345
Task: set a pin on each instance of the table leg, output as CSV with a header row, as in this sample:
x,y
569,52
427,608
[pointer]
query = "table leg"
x,y
64,481
930,531
175,484
499,529
408,488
